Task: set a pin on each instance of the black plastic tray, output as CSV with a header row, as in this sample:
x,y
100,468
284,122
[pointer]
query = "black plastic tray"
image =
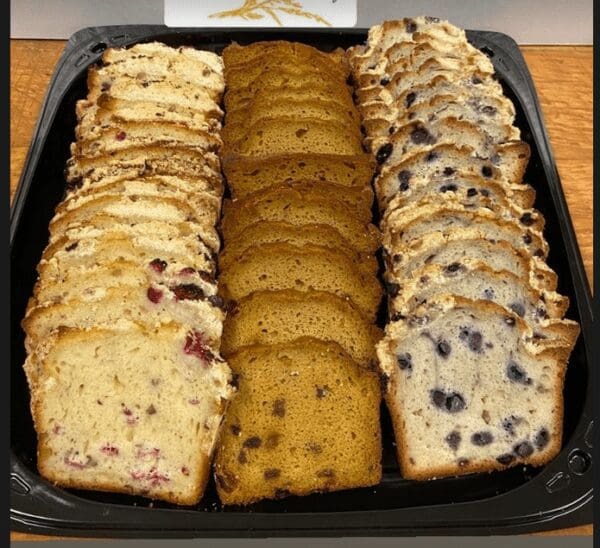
x,y
518,500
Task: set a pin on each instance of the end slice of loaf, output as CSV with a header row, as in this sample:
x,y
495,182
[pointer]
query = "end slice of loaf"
x,y
459,408
305,419
117,433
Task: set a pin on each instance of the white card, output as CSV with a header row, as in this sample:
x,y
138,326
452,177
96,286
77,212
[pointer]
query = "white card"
x,y
260,13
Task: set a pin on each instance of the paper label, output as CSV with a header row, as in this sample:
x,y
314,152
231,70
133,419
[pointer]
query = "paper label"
x,y
260,13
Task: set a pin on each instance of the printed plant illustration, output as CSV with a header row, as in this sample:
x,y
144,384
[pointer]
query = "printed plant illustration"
x,y
258,9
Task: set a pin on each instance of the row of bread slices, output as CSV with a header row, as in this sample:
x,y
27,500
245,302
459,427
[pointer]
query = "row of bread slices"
x,y
476,347
127,385
299,272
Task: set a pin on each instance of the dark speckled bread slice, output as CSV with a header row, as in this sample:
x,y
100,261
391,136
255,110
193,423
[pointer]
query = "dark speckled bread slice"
x,y
299,209
449,417
359,200
476,280
274,317
411,224
508,163
465,188
245,175
284,266
503,251
305,419
291,135
104,404
264,232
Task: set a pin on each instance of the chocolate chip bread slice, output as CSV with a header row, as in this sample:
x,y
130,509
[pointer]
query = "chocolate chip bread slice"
x,y
137,161
358,200
273,317
104,407
508,162
494,115
412,224
475,280
136,208
246,175
284,266
502,251
291,206
458,407
155,60
264,232
467,189
290,136
305,419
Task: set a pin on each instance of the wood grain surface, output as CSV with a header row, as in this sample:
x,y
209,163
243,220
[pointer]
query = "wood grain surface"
x,y
562,75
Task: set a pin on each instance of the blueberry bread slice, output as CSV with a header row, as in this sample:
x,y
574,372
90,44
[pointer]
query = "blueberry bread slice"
x,y
274,317
507,162
502,251
476,280
305,420
284,266
103,404
465,188
458,407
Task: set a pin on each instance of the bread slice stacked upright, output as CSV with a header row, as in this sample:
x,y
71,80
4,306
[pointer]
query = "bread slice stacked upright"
x,y
298,273
476,348
123,331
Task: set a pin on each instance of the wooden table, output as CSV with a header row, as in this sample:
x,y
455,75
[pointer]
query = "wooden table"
x,y
562,74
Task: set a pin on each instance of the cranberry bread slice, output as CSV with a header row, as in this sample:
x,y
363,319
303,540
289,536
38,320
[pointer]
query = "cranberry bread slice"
x,y
166,90
135,162
284,266
291,206
305,419
104,407
507,163
291,136
154,60
130,208
246,175
135,134
273,317
459,407
358,200
150,305
502,252
169,185
107,111
467,189
400,230
476,280
85,252
493,114
265,232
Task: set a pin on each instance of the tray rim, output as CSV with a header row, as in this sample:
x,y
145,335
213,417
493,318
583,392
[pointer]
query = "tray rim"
x,y
577,511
